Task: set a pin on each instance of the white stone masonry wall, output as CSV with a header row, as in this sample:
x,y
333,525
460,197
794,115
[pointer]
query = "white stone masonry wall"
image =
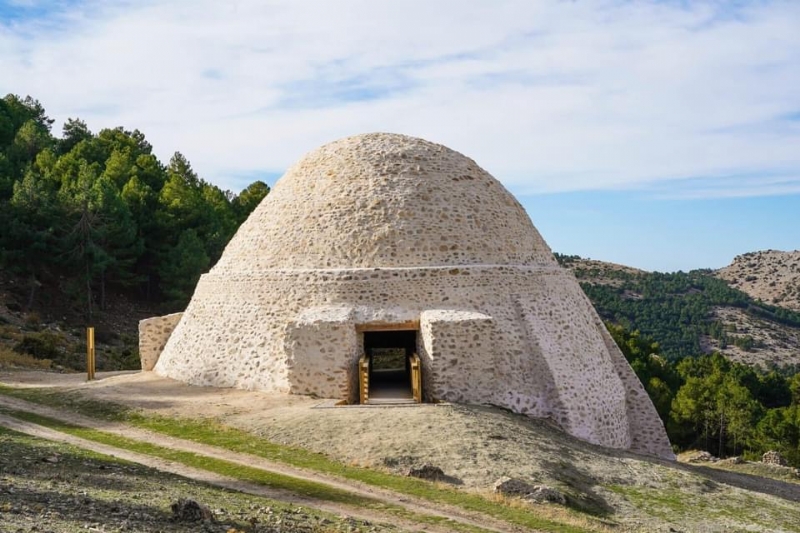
x,y
538,350
458,362
317,345
153,336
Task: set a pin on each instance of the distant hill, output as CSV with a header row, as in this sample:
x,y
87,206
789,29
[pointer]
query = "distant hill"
x,y
697,312
771,276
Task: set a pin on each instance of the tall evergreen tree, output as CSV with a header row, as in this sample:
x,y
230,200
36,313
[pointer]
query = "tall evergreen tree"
x,y
74,131
183,267
30,233
248,199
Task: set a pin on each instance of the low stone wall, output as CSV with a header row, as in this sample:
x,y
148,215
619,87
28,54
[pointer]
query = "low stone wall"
x,y
153,336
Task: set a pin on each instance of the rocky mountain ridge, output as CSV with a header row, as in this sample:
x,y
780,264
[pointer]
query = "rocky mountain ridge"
x,y
772,276
747,311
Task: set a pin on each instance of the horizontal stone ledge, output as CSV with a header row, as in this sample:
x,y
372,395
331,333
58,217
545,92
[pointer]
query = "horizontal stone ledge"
x,y
365,274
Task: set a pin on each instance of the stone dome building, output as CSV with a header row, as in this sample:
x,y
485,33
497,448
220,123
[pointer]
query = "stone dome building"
x,y
384,244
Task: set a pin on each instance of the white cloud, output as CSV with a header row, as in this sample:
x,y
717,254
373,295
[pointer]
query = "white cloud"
x,y
547,96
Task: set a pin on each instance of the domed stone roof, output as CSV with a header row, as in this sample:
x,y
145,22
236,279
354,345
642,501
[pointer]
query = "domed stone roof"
x,y
385,200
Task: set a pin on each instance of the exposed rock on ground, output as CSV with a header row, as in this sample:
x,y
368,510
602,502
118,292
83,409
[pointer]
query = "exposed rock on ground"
x,y
534,493
773,457
185,510
545,494
702,457
427,471
512,487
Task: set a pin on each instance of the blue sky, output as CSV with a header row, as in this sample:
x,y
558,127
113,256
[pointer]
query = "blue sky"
x,y
637,229
660,134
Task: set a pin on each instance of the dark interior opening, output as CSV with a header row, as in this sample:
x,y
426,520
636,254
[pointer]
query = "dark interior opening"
x,y
389,354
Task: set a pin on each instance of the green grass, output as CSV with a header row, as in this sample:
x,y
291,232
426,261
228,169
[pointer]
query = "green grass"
x,y
670,502
678,502
210,433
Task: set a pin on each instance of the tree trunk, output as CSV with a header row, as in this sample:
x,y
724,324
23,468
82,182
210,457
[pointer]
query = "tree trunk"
x,y
103,289
88,292
32,293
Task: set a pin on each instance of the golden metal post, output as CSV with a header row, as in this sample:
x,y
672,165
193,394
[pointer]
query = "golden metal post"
x,y
90,353
363,380
416,378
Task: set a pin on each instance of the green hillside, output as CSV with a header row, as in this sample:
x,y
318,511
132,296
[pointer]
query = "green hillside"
x,y
676,309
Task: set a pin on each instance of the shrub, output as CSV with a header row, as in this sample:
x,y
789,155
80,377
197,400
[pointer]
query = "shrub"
x,y
33,320
11,359
746,343
105,336
44,345
10,333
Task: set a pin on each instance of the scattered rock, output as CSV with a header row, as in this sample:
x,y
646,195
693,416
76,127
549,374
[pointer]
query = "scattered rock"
x,y
735,460
427,471
702,457
545,494
534,493
185,510
773,457
512,487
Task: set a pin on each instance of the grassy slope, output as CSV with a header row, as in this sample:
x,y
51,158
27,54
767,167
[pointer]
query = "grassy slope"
x,y
644,492
58,487
240,441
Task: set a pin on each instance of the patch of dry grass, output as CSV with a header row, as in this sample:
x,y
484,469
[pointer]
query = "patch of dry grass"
x,y
11,359
10,333
555,513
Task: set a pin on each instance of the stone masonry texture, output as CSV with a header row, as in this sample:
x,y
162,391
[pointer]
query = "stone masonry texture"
x,y
383,229
153,336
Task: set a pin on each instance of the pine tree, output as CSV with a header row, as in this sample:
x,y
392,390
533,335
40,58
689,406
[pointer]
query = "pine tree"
x,y
182,268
